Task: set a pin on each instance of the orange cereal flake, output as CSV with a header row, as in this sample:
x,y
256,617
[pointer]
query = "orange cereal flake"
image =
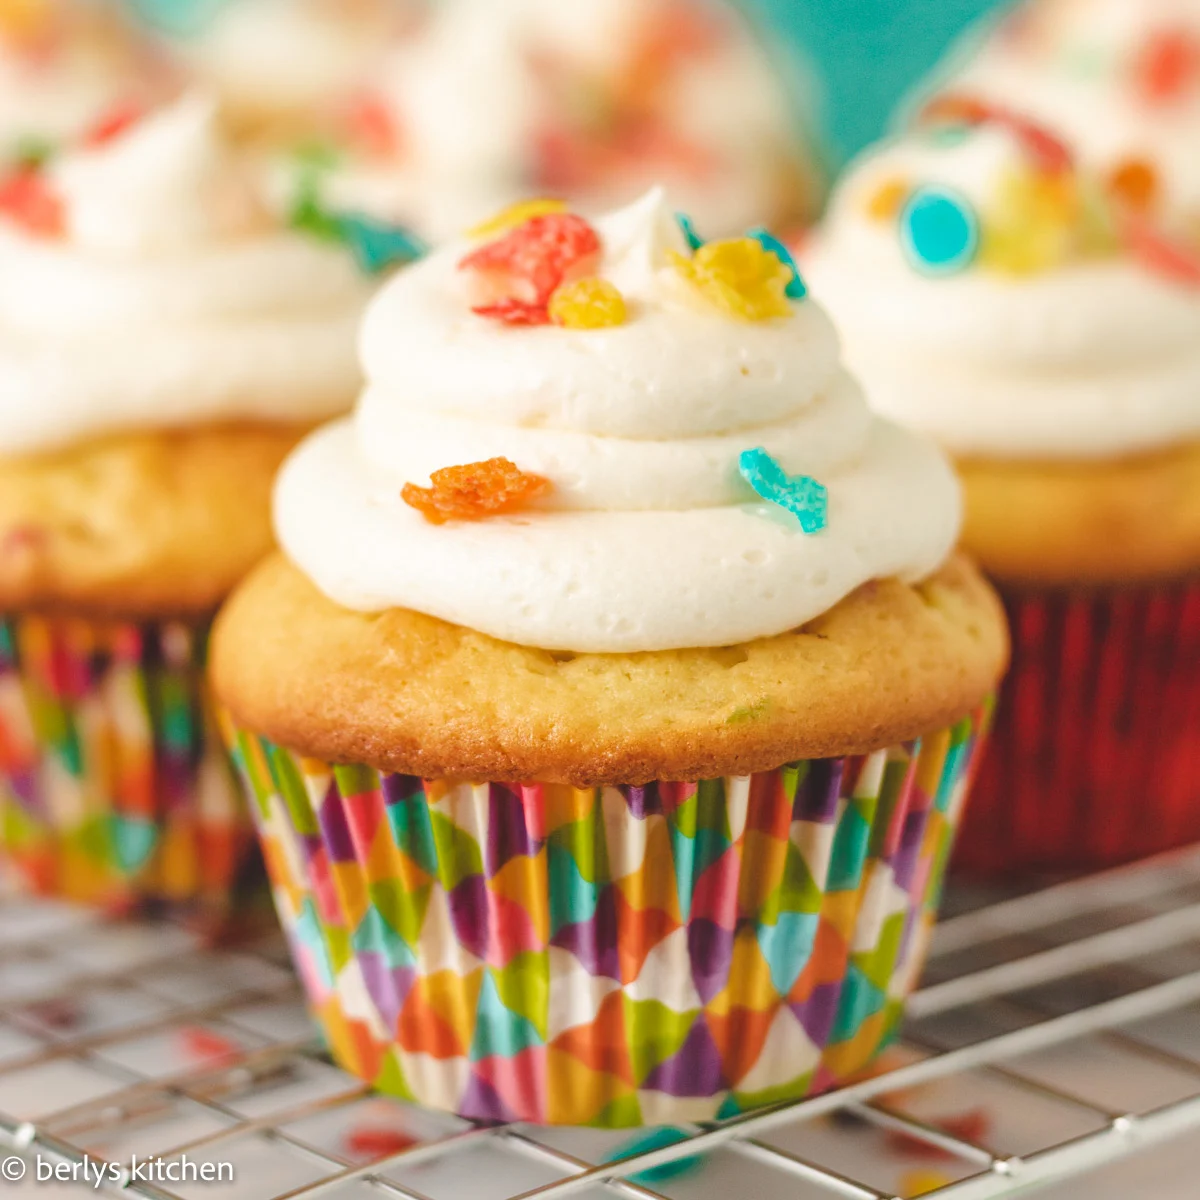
x,y
887,199
1135,184
475,491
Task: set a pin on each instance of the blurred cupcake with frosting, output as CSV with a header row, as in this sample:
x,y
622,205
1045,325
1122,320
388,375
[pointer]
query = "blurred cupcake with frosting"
x,y
64,61
592,100
1033,302
163,344
279,67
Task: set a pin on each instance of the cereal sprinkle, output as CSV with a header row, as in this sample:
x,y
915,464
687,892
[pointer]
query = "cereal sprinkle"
x,y
802,496
740,277
475,491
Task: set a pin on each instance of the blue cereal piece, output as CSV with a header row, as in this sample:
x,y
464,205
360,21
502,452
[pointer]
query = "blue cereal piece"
x,y
796,290
801,495
378,245
939,230
688,229
657,1139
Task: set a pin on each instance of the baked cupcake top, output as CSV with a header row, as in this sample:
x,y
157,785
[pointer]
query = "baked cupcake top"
x,y
997,294
1121,80
651,444
594,100
143,286
61,62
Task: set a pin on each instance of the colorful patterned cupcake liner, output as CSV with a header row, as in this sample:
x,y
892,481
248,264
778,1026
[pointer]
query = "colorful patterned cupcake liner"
x,y
611,956
114,788
1096,752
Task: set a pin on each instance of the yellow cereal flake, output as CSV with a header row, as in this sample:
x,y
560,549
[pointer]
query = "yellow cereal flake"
x,y
739,277
1036,226
887,199
921,1183
588,304
514,215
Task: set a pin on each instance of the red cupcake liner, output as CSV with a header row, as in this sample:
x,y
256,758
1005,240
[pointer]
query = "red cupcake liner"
x,y
1094,759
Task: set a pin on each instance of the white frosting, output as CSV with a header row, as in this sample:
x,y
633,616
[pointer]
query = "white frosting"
x,y
649,539
1095,359
470,98
170,301
291,56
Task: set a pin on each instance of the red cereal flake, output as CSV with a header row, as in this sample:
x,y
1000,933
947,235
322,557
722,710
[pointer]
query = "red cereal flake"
x,y
474,492
207,1046
369,1144
1167,66
521,271
1162,254
1048,152
27,200
675,32
971,1126
374,126
112,124
958,108
515,312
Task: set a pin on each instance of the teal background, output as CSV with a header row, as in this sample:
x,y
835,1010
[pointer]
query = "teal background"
x,y
866,53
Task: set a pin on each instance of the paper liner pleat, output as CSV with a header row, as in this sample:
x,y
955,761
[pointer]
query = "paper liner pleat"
x,y
114,788
610,956
1095,756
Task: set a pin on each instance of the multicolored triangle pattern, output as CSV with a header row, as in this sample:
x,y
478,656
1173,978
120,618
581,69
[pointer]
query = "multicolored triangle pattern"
x,y
115,789
610,956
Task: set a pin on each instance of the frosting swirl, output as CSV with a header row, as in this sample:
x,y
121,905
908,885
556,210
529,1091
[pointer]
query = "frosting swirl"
x,y
169,299
595,100
649,538
1093,356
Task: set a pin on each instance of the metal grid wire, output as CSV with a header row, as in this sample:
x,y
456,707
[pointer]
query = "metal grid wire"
x,y
1055,1033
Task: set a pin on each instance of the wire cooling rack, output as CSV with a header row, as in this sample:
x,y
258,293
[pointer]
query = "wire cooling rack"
x,y
1055,1045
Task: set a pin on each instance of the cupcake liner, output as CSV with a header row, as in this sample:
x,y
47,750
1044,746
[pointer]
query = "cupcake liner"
x,y
610,956
1095,756
114,789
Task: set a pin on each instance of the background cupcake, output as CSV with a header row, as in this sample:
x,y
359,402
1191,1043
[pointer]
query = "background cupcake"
x,y
162,346
593,100
681,550
62,63
1038,312
279,67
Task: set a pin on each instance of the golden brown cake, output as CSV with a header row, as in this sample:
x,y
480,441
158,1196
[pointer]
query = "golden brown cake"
x,y
1114,521
414,695
141,526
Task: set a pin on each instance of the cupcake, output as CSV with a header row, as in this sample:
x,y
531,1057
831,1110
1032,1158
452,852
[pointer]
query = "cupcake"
x,y
1039,314
162,347
593,100
279,66
63,62
609,712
